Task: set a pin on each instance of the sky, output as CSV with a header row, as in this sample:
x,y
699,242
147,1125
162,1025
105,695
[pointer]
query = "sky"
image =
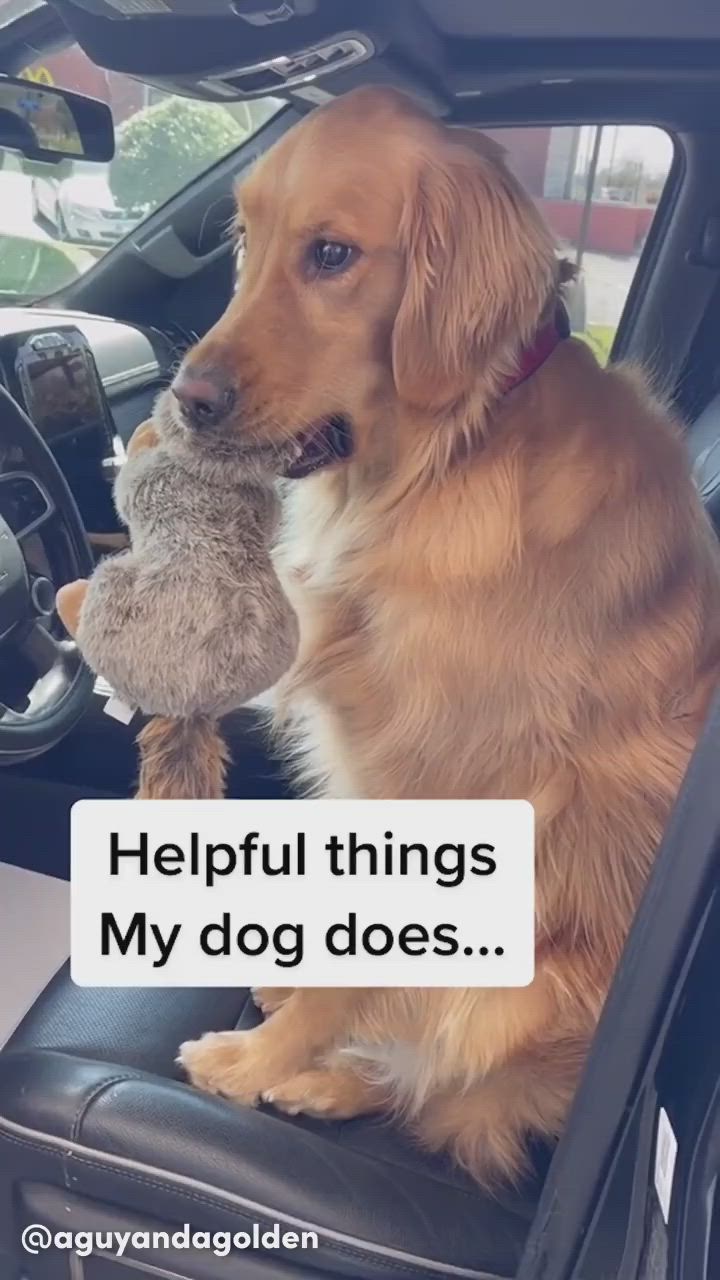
x,y
629,142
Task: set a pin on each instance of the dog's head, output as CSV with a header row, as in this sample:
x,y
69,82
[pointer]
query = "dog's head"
x,y
386,263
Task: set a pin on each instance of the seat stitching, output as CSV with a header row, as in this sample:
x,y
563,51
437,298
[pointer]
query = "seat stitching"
x,y
88,1101
83,1110
340,1247
195,1198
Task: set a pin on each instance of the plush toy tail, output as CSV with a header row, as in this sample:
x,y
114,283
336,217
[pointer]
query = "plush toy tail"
x,y
182,760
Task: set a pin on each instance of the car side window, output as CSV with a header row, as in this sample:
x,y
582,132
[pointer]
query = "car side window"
x,y
597,188
55,223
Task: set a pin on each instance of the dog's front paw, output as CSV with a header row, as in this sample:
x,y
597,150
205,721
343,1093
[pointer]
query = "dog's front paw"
x,y
330,1095
224,1062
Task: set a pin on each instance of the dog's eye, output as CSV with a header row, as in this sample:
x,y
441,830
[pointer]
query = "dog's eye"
x,y
331,257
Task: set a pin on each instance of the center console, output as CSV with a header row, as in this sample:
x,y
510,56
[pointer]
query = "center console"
x,y
52,374
86,382
60,386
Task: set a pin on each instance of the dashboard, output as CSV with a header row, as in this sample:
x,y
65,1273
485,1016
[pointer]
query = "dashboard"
x,y
85,382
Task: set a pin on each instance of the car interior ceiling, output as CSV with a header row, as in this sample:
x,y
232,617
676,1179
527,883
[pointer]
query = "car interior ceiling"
x,y
487,82
175,275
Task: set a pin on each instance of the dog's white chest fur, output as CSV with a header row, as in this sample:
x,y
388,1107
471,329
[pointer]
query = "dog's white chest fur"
x,y
404,1069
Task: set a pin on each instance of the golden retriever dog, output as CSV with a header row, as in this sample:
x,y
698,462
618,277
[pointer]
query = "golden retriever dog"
x,y
506,587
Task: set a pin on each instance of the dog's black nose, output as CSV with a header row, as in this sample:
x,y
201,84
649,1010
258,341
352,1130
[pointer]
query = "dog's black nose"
x,y
205,395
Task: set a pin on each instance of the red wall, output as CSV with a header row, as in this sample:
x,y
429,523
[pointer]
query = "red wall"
x,y
527,153
613,228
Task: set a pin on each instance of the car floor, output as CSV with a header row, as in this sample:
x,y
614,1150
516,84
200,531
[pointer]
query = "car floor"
x,y
34,939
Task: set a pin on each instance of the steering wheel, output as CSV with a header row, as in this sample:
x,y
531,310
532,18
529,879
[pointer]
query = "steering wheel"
x,y
44,685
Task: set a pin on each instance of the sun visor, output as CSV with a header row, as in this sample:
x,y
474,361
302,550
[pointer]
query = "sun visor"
x,y
225,50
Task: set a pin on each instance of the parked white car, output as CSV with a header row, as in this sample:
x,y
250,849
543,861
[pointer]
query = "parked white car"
x,y
82,207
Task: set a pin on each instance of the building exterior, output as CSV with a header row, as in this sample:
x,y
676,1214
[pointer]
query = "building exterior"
x,y
552,167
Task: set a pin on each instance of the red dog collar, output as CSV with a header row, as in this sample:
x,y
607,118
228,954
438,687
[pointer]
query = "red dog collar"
x,y
547,339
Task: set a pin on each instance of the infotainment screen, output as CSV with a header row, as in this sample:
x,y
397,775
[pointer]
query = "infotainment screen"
x,y
60,385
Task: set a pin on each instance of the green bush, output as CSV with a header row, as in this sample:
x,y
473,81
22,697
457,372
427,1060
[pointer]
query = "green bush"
x,y
163,147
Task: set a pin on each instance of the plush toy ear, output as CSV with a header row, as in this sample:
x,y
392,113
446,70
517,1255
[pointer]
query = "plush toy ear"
x,y
480,271
69,602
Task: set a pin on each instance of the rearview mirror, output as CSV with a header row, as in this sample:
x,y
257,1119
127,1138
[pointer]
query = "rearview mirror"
x,y
53,124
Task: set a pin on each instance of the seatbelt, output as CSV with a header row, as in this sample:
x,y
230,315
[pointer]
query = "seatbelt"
x,y
638,1010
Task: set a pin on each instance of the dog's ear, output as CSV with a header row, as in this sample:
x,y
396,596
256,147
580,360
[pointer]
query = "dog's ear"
x,y
480,270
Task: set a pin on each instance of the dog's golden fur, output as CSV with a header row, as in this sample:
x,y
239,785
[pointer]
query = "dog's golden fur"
x,y
500,595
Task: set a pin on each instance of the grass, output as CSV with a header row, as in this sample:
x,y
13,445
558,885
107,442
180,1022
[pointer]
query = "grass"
x,y
599,338
31,267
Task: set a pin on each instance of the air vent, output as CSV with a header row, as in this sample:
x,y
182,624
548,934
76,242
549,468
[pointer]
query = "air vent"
x,y
286,72
177,341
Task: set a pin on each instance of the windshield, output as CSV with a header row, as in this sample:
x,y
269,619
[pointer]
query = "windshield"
x,y
54,227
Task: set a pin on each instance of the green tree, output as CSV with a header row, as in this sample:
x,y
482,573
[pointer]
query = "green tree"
x,y
163,147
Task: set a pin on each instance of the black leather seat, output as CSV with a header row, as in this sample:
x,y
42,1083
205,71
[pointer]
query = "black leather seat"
x,y
98,1132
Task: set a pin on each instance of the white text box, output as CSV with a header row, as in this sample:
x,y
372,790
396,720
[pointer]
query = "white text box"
x,y
308,893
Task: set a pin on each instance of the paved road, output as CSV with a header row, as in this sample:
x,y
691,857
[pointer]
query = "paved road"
x,y
607,283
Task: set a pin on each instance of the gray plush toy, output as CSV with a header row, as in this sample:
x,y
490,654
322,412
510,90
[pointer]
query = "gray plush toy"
x,y
191,622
